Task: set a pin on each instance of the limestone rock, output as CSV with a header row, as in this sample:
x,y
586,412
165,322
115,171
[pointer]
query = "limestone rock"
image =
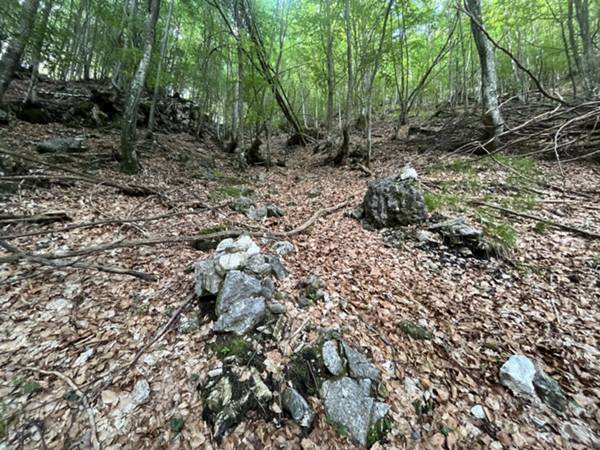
x,y
284,247
517,374
395,201
359,365
331,358
208,281
549,391
274,211
240,306
298,407
277,267
349,409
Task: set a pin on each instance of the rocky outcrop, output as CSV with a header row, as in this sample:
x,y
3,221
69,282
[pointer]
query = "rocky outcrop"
x,y
395,201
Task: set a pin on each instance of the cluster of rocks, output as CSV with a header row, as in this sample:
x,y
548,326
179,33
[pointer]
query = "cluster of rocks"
x,y
239,275
248,206
346,381
523,377
239,278
396,202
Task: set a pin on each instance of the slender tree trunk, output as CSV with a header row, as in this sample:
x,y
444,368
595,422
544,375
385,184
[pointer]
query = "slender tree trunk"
x,y
130,161
492,118
31,95
163,49
372,80
11,58
330,70
343,151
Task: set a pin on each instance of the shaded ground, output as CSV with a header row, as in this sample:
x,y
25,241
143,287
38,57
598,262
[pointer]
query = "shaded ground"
x,y
89,325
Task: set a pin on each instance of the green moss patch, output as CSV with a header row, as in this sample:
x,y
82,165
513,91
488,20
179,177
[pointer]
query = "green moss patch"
x,y
307,371
415,330
379,430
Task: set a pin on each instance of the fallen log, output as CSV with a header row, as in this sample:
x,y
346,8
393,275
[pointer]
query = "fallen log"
x,y
49,217
127,189
551,223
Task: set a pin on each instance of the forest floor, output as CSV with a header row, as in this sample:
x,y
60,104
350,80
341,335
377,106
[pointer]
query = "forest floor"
x,y
63,328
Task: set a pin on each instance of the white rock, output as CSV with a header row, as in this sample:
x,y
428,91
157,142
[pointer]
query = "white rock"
x,y
478,412
109,397
517,374
141,392
408,173
60,304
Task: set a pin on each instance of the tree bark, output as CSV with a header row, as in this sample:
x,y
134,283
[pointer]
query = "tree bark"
x,y
492,118
163,49
330,69
12,56
31,95
342,154
130,161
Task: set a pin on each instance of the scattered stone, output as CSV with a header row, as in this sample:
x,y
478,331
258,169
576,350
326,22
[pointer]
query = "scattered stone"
x,y
549,391
259,265
395,201
580,432
298,407
331,358
62,145
274,211
284,247
256,213
141,392
215,372
359,365
478,412
313,194
240,306
277,308
208,281
242,204
350,410
277,267
60,304
517,374
390,368
312,290
415,330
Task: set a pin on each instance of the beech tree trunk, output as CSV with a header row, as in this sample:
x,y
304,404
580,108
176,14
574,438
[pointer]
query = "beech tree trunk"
x,y
163,49
492,118
342,154
31,95
129,158
12,56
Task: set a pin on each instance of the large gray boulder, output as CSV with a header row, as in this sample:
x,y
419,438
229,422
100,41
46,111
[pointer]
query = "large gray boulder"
x,y
331,358
348,406
240,304
395,201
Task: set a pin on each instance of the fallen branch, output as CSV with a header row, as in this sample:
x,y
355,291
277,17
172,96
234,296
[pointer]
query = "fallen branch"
x,y
122,243
562,226
19,255
49,217
84,400
127,189
96,223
